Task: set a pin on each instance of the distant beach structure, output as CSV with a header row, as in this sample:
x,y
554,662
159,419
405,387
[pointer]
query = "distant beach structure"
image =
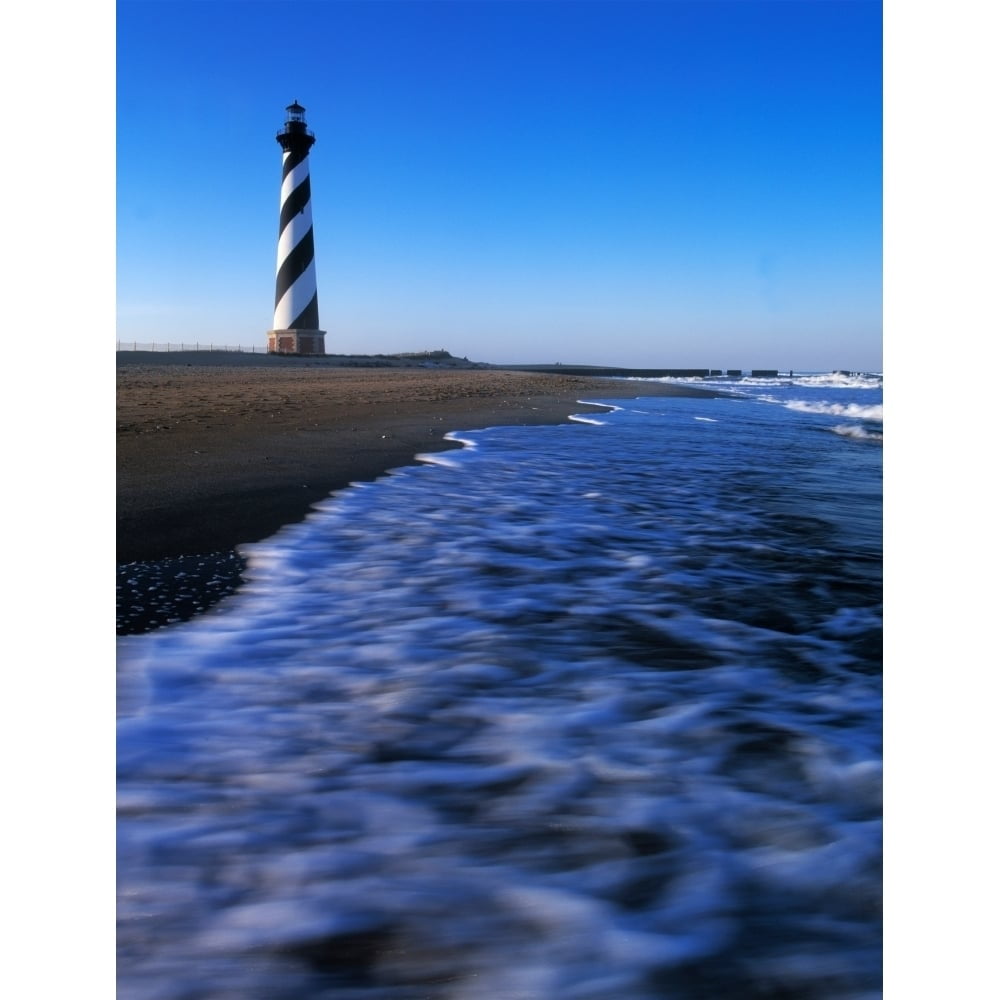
x,y
296,303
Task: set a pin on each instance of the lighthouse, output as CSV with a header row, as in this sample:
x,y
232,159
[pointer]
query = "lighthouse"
x,y
296,305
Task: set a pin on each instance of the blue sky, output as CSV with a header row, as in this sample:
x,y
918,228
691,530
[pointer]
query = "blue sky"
x,y
654,184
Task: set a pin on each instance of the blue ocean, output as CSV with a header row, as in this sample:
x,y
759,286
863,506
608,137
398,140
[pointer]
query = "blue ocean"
x,y
579,712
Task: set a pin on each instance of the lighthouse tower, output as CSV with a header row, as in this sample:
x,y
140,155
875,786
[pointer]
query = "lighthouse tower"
x,y
296,306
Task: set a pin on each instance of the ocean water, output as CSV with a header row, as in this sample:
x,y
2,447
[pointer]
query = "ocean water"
x,y
584,711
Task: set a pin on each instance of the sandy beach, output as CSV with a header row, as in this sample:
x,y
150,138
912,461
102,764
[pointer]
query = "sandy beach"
x,y
217,450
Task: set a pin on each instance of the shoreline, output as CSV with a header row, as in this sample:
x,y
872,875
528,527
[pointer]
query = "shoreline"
x,y
211,455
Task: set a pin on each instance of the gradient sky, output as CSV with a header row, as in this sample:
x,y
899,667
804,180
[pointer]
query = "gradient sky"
x,y
679,184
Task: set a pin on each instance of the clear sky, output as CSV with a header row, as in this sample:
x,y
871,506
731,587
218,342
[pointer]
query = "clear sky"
x,y
679,184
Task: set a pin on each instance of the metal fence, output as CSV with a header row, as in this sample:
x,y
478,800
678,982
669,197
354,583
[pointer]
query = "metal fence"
x,y
135,345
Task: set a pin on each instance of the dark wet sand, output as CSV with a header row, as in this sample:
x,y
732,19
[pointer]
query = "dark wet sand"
x,y
217,450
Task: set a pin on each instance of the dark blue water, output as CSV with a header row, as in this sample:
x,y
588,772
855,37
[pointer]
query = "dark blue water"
x,y
586,711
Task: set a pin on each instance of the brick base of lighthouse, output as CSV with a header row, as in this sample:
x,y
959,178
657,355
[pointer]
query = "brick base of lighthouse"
x,y
296,342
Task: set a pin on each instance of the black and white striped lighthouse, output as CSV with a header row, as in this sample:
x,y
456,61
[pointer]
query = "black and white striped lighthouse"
x,y
296,305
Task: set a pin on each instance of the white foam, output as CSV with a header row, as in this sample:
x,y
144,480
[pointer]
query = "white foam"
x,y
855,411
442,458
548,714
856,431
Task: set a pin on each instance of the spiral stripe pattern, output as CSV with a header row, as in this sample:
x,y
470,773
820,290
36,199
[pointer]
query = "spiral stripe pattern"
x,y
296,304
